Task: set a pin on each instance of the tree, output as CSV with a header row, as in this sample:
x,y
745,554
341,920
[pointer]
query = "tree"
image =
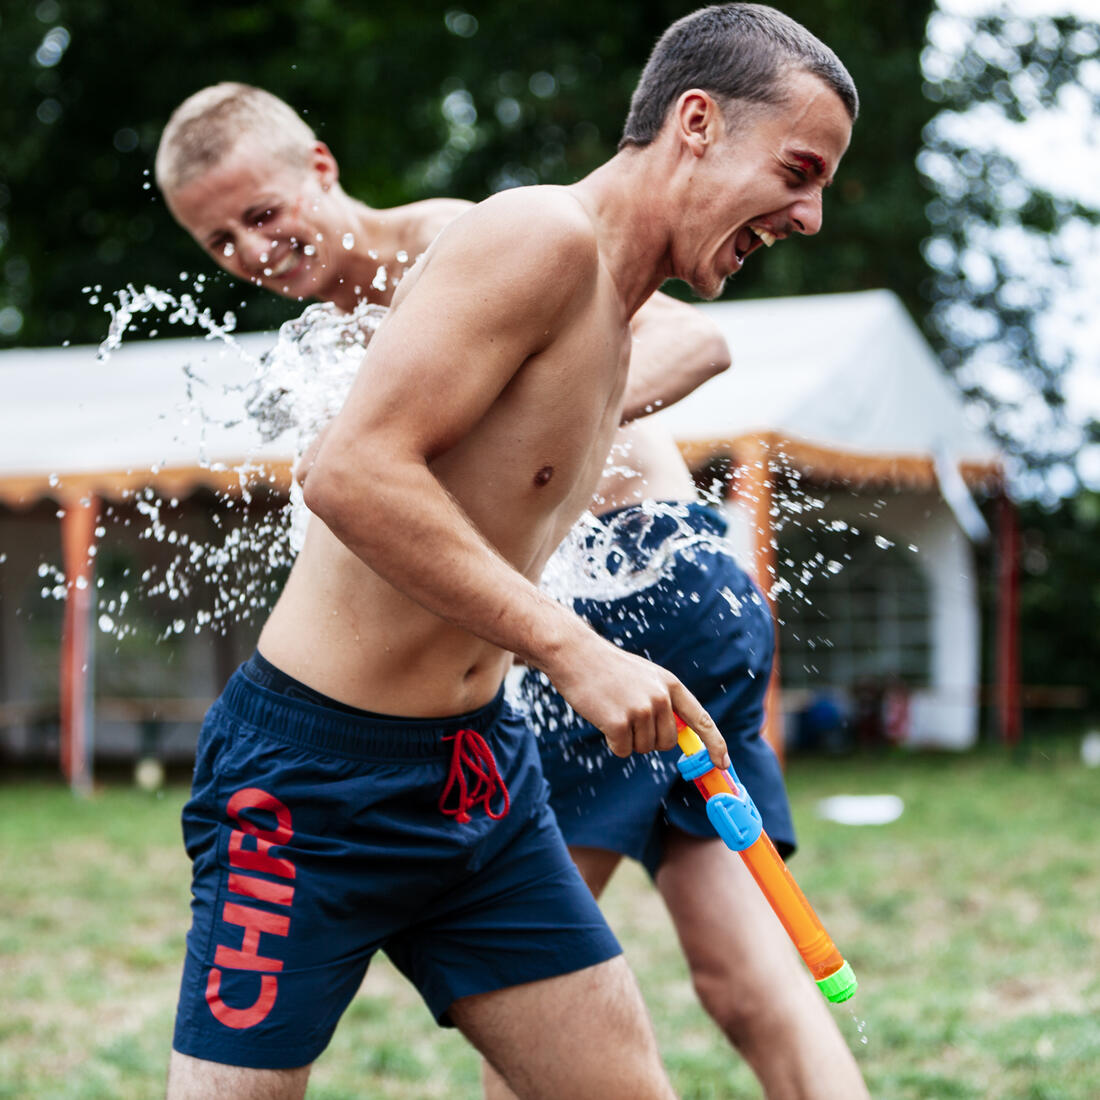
x,y
1003,245
414,99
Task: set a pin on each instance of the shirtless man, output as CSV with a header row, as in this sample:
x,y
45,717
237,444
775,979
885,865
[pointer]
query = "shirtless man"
x,y
697,613
739,957
471,440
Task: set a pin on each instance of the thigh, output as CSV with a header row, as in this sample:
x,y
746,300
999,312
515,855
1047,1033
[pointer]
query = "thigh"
x,y
596,866
584,1035
724,922
196,1079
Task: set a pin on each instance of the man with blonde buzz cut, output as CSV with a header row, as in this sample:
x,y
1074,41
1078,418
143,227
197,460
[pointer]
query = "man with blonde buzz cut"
x,y
261,195
361,784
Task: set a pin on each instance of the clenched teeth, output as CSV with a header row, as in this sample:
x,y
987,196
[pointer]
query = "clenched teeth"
x,y
283,266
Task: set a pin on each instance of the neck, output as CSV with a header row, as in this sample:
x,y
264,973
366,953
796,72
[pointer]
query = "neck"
x,y
627,198
373,263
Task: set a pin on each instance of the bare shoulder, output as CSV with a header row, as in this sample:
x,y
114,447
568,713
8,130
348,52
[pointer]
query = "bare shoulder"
x,y
432,215
543,232
526,256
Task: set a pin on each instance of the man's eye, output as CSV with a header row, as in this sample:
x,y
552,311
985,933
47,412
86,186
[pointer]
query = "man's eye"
x,y
798,173
265,216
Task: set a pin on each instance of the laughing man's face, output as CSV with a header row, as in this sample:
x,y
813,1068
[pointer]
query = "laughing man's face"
x,y
262,220
762,182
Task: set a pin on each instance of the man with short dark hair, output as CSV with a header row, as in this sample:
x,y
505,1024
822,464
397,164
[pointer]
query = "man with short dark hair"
x,y
328,770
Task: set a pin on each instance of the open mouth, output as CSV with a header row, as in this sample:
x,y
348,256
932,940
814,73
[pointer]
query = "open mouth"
x,y
287,263
749,238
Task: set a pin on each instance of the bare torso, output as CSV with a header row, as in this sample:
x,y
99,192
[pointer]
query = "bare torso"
x,y
522,474
644,464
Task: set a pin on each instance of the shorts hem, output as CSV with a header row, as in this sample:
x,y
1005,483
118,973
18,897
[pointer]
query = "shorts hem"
x,y
603,949
278,1056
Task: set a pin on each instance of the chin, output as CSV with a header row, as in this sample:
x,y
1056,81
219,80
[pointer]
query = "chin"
x,y
709,290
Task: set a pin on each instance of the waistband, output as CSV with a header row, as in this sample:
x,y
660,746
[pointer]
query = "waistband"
x,y
639,531
312,725
691,513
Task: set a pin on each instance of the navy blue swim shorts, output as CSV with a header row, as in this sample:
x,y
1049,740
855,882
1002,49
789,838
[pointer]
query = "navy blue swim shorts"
x,y
705,621
319,835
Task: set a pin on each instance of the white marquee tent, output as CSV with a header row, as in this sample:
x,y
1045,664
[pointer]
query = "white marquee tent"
x,y
841,387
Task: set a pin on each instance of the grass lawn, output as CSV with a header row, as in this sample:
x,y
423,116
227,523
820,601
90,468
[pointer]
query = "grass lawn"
x,y
973,923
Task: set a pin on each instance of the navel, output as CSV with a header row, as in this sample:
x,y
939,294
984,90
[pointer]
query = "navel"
x,y
544,475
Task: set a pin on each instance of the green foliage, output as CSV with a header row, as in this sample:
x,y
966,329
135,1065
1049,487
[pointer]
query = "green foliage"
x,y
1060,594
415,100
1000,244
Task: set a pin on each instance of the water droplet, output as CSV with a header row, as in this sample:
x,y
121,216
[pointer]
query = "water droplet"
x,y
348,241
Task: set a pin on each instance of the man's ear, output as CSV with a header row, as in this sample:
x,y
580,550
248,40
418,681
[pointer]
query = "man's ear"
x,y
323,164
696,119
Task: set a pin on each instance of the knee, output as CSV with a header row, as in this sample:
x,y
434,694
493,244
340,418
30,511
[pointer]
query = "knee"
x,y
746,1008
725,1000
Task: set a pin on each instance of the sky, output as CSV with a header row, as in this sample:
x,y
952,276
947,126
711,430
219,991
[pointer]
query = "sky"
x,y
1060,151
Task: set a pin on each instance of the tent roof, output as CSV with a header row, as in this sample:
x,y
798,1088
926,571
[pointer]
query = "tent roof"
x,y
843,375
844,383
71,423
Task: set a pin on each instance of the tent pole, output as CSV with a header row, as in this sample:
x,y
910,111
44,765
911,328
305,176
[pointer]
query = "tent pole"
x,y
754,486
78,537
1008,622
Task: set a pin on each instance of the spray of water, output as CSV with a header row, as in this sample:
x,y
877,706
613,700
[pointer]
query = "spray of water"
x,y
294,390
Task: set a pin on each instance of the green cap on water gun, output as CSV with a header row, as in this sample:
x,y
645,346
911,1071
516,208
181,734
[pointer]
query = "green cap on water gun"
x,y
840,985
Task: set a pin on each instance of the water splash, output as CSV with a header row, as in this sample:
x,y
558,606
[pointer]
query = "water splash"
x,y
133,305
294,389
861,1028
621,554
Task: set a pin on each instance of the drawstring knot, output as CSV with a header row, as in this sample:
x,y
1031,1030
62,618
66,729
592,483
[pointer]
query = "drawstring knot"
x,y
473,754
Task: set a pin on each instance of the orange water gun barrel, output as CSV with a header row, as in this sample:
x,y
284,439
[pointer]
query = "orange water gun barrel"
x,y
737,821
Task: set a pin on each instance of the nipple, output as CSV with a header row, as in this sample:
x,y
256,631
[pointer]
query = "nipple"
x,y
544,475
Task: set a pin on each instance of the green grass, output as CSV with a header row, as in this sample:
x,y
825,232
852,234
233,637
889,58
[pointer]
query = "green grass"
x,y
973,923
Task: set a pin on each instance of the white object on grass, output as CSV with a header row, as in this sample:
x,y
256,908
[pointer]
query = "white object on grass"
x,y
861,809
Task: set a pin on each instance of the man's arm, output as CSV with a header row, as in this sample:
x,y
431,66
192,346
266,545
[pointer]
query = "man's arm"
x,y
676,348
474,313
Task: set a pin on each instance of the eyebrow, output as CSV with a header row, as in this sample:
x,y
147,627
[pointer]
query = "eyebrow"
x,y
811,161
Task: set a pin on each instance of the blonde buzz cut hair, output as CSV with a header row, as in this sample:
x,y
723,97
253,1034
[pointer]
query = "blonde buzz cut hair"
x,y
205,127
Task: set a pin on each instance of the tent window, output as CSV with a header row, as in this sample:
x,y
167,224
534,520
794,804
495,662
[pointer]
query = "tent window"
x,y
852,612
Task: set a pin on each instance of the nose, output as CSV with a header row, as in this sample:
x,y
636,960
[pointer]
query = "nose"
x,y
254,249
806,214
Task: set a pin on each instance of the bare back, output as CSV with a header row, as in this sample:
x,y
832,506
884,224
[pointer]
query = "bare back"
x,y
518,447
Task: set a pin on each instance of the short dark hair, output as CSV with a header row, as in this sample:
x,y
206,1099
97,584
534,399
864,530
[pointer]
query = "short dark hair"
x,y
735,52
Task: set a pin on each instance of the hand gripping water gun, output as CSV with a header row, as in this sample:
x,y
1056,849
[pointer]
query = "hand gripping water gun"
x,y
737,821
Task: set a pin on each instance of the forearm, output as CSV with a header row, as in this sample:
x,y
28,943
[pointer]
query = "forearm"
x,y
676,349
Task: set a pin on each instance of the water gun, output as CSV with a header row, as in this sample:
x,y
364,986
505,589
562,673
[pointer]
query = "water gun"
x,y
737,820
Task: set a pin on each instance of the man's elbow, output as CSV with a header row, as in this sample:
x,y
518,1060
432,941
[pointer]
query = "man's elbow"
x,y
326,485
716,356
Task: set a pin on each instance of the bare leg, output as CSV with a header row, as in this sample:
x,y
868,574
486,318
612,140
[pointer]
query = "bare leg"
x,y
195,1079
596,866
749,978
584,1035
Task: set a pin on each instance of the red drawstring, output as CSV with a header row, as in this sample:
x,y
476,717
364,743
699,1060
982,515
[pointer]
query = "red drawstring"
x,y
472,752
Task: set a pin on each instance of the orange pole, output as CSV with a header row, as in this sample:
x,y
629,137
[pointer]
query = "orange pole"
x,y
1008,622
754,486
78,537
